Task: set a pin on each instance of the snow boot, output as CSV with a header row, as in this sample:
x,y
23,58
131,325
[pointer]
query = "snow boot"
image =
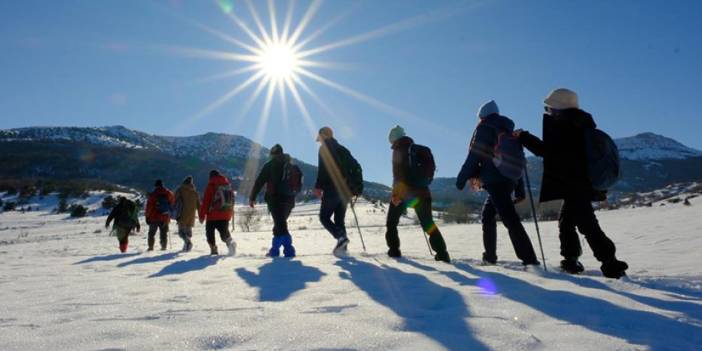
x,y
123,247
443,257
341,246
395,253
489,260
288,248
151,248
614,268
213,250
187,246
231,245
572,266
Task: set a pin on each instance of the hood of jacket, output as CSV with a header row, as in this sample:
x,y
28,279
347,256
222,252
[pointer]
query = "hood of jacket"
x,y
218,180
498,121
403,142
577,117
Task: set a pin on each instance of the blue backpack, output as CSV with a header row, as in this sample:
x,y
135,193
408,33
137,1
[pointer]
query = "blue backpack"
x,y
603,164
163,206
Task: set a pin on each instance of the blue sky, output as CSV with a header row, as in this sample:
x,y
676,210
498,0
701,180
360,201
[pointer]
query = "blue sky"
x,y
635,64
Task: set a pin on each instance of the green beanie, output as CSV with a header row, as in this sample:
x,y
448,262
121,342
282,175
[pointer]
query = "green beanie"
x,y
396,133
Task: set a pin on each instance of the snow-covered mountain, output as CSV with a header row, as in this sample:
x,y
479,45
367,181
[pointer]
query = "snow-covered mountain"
x,y
650,146
208,147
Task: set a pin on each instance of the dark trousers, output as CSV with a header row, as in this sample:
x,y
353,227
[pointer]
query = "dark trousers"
x,y
222,226
500,202
578,212
422,207
333,205
280,209
162,228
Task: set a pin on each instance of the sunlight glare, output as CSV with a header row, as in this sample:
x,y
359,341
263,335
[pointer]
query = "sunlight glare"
x,y
278,61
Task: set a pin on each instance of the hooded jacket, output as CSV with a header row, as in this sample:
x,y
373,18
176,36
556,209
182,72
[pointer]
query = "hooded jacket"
x,y
152,213
325,170
214,215
271,175
190,199
564,153
479,162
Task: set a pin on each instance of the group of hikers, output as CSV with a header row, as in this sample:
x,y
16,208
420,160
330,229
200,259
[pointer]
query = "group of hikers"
x,y
495,163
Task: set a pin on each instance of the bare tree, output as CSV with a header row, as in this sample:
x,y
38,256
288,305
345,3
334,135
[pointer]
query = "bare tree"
x,y
249,219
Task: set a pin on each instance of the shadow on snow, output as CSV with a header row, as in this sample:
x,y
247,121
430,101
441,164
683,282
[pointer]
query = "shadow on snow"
x,y
106,258
425,307
149,259
278,279
185,266
637,327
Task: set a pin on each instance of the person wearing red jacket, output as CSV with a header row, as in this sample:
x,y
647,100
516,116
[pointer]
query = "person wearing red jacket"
x,y
217,208
158,207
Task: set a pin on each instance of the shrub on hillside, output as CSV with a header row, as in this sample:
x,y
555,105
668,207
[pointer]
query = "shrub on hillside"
x,y
78,211
9,206
457,213
109,202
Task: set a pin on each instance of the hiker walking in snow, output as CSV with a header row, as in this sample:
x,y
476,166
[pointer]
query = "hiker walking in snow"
x,y
283,181
566,177
158,209
186,206
495,162
339,178
412,170
126,217
217,209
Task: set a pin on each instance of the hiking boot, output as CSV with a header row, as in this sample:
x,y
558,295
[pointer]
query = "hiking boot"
x,y
394,253
151,248
572,266
614,268
187,246
123,247
443,257
213,250
163,248
489,260
341,246
231,245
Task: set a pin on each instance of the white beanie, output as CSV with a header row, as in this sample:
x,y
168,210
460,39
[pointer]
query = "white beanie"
x,y
487,109
562,99
396,133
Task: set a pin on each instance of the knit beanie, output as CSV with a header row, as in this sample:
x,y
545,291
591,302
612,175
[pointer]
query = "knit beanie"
x,y
562,99
276,149
396,133
487,109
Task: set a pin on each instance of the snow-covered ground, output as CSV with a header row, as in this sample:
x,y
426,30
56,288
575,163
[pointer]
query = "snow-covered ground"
x,y
64,286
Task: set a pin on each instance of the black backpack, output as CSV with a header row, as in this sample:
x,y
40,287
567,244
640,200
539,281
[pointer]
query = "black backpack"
x,y
602,154
351,169
291,180
421,166
127,215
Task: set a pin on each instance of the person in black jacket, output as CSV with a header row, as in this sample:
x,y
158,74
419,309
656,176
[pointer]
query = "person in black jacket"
x,y
126,217
405,194
331,187
565,177
479,164
280,204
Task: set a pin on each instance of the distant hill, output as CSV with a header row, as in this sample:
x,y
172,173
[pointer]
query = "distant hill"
x,y
649,162
134,159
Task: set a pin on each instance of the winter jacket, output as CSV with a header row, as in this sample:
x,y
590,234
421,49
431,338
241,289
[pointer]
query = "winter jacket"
x,y
401,186
122,211
324,170
152,213
190,199
563,150
271,176
205,213
479,162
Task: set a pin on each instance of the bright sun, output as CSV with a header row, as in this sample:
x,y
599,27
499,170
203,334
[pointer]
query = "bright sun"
x,y
279,61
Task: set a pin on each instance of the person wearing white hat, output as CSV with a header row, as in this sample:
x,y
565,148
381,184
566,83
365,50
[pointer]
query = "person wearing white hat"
x,y
566,178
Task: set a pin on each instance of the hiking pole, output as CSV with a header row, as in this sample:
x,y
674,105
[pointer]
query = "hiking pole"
x,y
533,214
353,210
427,239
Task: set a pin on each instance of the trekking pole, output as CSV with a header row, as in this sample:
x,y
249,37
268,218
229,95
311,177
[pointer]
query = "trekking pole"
x,y
427,240
533,214
353,210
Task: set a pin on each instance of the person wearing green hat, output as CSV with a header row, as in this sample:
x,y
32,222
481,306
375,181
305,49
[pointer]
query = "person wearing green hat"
x,y
409,191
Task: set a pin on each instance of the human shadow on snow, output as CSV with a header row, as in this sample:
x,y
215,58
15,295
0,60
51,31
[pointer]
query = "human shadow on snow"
x,y
105,258
149,259
635,326
278,279
425,307
185,266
